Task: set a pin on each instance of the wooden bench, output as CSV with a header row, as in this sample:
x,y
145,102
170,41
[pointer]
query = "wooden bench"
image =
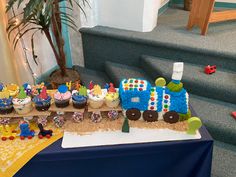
x,y
202,15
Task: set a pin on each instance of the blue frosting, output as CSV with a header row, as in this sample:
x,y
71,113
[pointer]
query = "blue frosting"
x,y
159,91
6,102
178,101
127,95
62,89
79,98
41,102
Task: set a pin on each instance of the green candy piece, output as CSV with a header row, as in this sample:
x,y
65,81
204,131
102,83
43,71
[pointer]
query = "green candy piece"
x,y
194,123
22,94
125,126
83,91
175,87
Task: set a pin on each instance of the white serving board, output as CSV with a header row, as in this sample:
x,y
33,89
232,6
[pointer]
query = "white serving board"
x,y
136,135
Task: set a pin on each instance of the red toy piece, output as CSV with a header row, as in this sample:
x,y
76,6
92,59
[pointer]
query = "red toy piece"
x,y
112,88
43,94
210,69
91,85
233,114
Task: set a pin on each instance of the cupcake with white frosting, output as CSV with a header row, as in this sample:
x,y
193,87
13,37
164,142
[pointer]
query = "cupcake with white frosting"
x,y
96,97
22,103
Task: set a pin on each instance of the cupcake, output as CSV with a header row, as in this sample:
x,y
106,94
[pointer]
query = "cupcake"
x,y
112,98
62,97
13,89
6,105
79,98
42,101
96,97
22,103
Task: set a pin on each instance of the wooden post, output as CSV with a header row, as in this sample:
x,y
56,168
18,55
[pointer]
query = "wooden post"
x,y
202,15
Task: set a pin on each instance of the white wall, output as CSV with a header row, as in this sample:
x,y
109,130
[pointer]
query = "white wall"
x,y
231,1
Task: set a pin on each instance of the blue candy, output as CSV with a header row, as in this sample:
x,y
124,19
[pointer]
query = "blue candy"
x,y
62,88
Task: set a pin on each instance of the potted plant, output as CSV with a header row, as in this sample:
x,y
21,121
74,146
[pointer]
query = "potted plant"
x,y
187,5
47,17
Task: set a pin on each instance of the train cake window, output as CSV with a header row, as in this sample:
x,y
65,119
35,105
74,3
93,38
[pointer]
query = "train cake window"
x,y
135,100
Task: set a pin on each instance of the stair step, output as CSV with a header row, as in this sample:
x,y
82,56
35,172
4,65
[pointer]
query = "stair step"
x,y
117,72
88,75
216,117
224,160
220,85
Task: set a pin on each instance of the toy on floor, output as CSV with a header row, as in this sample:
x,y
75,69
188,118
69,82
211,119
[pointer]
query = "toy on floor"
x,y
43,132
25,131
7,133
210,69
233,114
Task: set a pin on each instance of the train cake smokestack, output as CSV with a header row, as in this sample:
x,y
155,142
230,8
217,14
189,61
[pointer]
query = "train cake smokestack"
x,y
178,69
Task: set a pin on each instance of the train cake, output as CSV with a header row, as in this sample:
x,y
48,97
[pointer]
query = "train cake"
x,y
140,100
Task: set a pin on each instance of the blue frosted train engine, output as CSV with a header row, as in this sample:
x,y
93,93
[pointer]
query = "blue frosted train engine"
x,y
140,100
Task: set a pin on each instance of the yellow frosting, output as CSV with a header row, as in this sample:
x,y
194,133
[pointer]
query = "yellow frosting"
x,y
13,89
112,96
4,94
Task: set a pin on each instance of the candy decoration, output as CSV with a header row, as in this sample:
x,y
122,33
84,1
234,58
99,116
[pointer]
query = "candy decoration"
x,y
194,123
83,91
22,94
69,84
96,117
113,115
42,120
4,121
160,82
43,94
62,88
78,116
106,86
125,126
111,88
59,121
91,85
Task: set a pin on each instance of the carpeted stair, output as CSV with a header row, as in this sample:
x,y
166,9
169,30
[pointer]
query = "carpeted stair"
x,y
224,160
220,85
117,72
216,117
88,75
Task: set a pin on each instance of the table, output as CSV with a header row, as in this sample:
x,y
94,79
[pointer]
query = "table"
x,y
160,159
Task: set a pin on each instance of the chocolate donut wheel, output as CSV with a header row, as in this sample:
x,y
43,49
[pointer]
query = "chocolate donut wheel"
x,y
171,117
150,116
133,114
